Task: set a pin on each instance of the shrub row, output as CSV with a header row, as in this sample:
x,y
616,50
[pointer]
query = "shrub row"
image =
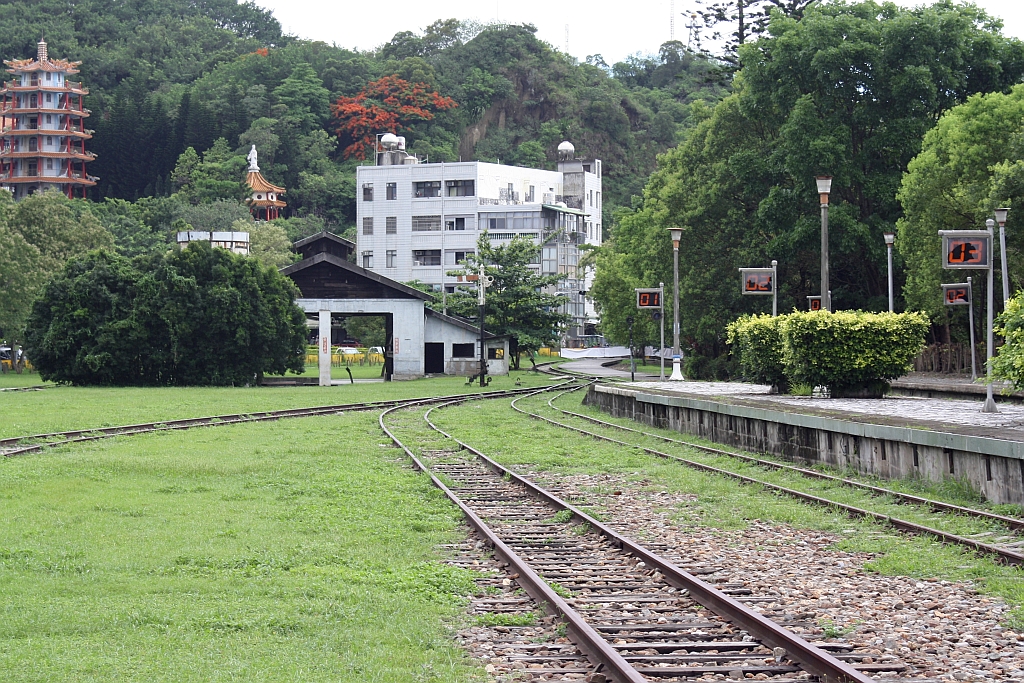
x,y
850,353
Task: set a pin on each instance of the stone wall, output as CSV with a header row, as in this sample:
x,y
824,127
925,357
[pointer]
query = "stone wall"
x,y
991,466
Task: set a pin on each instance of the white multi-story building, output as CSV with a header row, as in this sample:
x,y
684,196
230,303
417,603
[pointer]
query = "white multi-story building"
x,y
402,205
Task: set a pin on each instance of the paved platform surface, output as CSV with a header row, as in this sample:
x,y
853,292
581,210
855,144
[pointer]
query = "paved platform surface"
x,y
945,415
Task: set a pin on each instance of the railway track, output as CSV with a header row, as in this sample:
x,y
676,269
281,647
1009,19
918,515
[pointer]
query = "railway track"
x,y
630,614
22,445
1004,552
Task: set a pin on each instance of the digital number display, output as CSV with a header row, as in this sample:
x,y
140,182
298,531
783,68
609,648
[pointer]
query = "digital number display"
x,y
758,283
814,303
956,295
648,299
966,249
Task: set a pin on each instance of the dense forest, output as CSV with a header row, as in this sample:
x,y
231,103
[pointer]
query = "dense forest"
x,y
169,76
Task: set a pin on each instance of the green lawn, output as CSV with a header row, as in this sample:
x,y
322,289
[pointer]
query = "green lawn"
x,y
25,379
298,550
65,408
725,503
358,372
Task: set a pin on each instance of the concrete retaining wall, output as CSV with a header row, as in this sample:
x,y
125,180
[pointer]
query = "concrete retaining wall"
x,y
992,466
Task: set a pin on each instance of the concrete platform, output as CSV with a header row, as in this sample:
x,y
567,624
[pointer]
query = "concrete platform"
x,y
896,436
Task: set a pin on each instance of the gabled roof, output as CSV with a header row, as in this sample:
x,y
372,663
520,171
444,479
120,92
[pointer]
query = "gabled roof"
x,y
464,324
343,268
338,239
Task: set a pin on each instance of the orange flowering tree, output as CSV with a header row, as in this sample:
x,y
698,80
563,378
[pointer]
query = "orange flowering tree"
x,y
387,105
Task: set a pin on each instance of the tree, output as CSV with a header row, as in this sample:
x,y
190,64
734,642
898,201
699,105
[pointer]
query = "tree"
x,y
389,104
268,243
193,317
847,91
969,164
747,19
519,302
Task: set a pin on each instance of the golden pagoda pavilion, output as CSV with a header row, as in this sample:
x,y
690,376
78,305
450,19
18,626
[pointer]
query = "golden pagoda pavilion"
x,y
265,202
42,131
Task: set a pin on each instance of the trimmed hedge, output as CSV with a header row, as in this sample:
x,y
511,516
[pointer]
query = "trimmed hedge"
x,y
851,353
1009,363
758,339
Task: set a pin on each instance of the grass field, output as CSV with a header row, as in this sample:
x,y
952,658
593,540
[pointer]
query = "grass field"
x,y
25,379
65,408
724,503
285,551
358,372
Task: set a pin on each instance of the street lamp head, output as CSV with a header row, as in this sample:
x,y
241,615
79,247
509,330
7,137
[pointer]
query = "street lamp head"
x,y
677,234
890,238
990,223
1001,216
824,183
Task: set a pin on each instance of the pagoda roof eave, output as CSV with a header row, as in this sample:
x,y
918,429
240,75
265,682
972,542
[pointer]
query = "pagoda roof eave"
x,y
258,183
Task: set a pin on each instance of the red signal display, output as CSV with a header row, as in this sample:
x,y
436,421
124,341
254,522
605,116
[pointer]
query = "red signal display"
x,y
758,282
648,299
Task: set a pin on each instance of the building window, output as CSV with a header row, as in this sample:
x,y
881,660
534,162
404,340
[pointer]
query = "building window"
x,y
391,225
492,222
391,259
549,262
429,188
49,141
530,194
426,257
47,78
49,118
599,200
591,197
460,188
458,257
495,354
367,192
368,225
49,164
426,223
391,190
455,224
464,350
367,259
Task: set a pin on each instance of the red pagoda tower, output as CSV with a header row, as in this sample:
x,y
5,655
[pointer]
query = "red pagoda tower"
x,y
42,131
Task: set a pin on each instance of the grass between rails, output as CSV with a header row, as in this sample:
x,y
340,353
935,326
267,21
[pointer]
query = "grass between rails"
x,y
293,550
66,408
723,503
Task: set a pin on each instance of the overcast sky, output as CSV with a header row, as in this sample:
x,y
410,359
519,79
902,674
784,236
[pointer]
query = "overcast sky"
x,y
612,29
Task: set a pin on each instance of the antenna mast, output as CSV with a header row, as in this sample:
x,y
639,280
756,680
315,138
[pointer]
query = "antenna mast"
x,y
694,37
672,20
567,39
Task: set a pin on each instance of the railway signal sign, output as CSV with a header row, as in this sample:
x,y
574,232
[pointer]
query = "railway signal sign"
x,y
966,249
761,281
962,294
814,303
957,295
758,280
648,298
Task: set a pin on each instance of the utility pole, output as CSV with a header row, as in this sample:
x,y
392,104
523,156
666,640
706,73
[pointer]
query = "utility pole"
x,y
482,283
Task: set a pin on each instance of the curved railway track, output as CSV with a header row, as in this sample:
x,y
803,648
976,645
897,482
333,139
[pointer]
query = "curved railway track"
x,y
633,614
1003,553
21,445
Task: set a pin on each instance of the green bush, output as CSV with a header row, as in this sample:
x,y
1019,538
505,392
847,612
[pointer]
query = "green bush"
x,y
852,353
1009,363
758,341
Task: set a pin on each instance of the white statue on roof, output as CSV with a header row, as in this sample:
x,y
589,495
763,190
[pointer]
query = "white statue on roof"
x,y
253,166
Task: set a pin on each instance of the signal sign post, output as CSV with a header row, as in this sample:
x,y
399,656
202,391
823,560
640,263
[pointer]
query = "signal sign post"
x,y
653,298
963,295
814,303
972,250
761,281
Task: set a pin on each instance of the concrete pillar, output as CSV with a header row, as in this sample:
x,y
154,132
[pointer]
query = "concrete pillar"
x,y
325,348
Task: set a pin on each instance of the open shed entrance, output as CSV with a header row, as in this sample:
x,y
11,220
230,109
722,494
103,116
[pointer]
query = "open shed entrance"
x,y
433,358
